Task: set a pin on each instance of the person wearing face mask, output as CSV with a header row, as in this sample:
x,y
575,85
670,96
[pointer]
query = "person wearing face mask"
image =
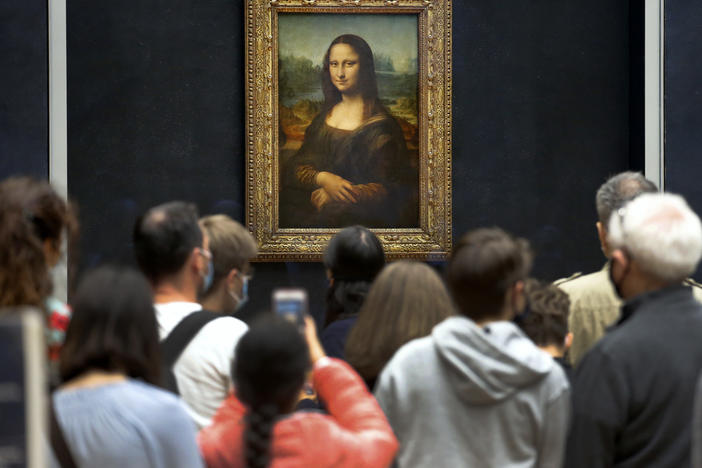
x,y
594,303
634,390
232,247
197,345
477,391
34,221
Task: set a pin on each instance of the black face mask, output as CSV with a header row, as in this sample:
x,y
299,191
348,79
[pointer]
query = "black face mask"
x,y
520,317
617,287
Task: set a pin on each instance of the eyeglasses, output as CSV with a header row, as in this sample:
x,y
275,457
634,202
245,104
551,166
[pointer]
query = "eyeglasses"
x,y
621,212
248,276
204,252
247,271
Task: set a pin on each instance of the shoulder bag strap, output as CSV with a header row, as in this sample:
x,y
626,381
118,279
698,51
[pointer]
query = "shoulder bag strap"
x,y
58,442
183,333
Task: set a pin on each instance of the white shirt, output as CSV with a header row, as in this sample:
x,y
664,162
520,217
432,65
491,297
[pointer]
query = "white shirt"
x,y
203,370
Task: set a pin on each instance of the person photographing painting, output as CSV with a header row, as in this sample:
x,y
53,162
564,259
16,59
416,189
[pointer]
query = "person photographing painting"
x,y
353,166
256,426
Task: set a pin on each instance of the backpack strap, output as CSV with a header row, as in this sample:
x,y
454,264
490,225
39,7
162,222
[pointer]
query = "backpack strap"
x,y
178,339
58,442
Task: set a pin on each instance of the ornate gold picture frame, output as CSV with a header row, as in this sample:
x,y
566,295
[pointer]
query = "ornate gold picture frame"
x,y
316,163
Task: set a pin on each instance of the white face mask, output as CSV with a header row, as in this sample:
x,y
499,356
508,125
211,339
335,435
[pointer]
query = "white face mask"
x,y
59,272
240,301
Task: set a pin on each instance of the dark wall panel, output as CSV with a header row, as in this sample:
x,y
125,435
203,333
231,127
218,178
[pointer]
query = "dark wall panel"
x,y
24,92
683,101
156,112
541,118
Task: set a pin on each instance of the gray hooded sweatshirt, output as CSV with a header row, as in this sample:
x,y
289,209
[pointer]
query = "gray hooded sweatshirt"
x,y
467,396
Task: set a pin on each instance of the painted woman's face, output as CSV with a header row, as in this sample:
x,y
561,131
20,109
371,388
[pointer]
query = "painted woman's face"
x,y
344,68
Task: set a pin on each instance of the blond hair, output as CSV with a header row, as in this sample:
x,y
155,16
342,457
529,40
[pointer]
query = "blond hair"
x,y
231,244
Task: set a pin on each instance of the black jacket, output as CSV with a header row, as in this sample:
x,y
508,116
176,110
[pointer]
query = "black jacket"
x,y
633,393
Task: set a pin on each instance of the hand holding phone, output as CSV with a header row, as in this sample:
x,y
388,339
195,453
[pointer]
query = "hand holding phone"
x,y
315,347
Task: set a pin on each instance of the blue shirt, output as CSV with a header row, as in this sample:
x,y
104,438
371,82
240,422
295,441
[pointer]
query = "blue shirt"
x,y
126,424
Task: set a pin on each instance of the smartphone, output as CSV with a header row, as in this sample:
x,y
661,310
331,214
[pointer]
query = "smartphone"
x,y
291,304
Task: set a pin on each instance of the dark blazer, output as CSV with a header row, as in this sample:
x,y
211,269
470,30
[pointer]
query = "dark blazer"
x,y
633,393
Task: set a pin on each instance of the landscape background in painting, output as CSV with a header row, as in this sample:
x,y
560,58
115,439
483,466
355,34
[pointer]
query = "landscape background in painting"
x,y
303,40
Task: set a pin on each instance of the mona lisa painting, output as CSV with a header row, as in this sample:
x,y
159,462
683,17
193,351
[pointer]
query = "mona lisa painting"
x,y
356,162
349,123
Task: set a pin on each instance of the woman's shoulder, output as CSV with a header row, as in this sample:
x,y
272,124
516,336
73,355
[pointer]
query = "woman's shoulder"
x,y
144,391
128,396
304,429
157,411
161,405
122,409
381,123
318,121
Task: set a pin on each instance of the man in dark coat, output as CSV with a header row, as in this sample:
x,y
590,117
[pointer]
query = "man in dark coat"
x,y
633,393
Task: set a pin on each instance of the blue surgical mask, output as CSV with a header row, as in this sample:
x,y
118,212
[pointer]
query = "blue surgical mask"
x,y
209,276
520,317
241,301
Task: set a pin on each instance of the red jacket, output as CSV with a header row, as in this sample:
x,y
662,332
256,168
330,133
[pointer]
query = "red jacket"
x,y
354,435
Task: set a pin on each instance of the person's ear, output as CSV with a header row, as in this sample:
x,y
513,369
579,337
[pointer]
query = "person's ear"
x,y
231,278
196,260
602,235
567,342
52,251
518,298
330,277
619,257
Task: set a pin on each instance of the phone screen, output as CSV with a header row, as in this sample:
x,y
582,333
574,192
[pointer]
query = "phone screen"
x,y
291,304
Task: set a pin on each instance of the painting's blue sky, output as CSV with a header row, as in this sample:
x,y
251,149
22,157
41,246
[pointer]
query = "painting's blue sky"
x,y
309,35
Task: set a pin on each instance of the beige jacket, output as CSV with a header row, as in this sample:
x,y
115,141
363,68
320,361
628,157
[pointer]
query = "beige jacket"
x,y
594,306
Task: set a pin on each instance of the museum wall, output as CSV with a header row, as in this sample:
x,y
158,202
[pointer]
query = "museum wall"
x,y
546,104
24,92
683,99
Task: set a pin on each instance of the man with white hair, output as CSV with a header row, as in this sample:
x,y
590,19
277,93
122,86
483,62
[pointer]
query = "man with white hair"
x,y
594,306
633,392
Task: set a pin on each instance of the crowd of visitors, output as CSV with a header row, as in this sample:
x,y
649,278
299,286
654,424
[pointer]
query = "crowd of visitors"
x,y
480,365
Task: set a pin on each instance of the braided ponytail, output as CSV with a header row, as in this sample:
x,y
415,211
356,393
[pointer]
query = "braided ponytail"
x,y
258,435
269,370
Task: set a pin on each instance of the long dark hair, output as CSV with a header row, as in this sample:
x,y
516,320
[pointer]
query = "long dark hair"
x,y
367,82
405,302
269,370
113,327
31,213
354,257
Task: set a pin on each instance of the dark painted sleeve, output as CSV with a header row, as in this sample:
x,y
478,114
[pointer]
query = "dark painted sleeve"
x,y
389,150
303,165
